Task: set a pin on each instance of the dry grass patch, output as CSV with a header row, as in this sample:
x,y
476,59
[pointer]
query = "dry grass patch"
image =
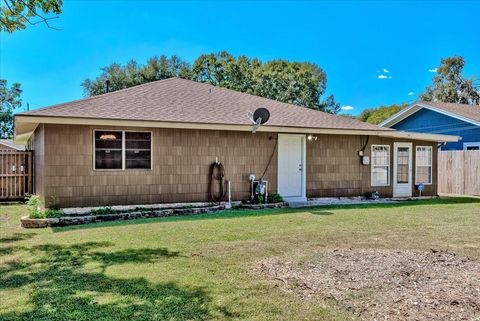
x,y
385,284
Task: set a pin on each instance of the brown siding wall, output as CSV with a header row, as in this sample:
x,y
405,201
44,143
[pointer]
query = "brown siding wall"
x,y
334,168
181,164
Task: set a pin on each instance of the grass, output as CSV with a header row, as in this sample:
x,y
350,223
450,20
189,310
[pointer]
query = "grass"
x,y
200,267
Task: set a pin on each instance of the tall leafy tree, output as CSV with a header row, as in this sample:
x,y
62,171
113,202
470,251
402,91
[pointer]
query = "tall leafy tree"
x,y
378,115
450,86
297,83
17,14
132,74
9,100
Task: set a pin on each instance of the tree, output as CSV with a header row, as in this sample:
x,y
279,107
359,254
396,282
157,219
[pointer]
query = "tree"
x,y
10,100
298,83
378,115
133,74
292,82
224,70
450,86
17,14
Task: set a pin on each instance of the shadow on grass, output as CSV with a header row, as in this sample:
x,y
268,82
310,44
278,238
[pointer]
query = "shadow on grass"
x,y
61,289
240,213
17,237
319,212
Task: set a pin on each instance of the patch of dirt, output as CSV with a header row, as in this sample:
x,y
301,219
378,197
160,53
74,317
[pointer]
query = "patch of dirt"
x,y
385,284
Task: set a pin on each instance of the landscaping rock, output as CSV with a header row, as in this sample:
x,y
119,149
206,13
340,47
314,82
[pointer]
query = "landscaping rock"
x,y
38,223
262,206
76,218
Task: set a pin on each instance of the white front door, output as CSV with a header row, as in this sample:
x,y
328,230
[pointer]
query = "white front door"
x,y
402,169
291,167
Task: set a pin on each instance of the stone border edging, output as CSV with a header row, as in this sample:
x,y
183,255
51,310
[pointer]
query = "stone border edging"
x,y
77,220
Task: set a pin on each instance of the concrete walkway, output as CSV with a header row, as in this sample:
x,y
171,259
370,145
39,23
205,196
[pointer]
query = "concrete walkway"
x,y
326,201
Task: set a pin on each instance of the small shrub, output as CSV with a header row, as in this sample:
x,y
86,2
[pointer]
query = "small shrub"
x,y
274,198
104,211
259,199
52,212
34,206
142,209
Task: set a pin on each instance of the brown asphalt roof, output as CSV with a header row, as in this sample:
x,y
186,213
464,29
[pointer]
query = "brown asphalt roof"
x,y
468,111
186,101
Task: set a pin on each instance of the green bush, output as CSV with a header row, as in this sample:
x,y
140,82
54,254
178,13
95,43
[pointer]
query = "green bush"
x,y
104,211
274,198
52,212
34,206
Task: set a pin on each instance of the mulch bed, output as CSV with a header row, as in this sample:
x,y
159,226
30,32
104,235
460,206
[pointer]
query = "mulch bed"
x,y
385,284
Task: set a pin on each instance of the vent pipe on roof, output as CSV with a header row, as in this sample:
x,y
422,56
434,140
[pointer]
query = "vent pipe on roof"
x,y
107,86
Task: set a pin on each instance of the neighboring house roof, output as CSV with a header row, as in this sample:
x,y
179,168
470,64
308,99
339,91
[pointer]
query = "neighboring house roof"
x,y
180,103
9,143
467,113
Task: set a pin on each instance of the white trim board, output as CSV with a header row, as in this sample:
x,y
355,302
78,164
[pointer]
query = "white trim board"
x,y
405,113
26,125
470,144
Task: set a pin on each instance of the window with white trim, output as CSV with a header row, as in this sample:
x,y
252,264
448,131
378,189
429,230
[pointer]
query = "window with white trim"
x,y
471,146
380,165
120,150
423,164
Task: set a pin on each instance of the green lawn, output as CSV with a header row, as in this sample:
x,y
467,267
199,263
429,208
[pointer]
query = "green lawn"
x,y
196,268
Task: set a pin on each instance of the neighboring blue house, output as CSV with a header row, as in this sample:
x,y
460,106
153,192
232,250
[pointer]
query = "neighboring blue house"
x,y
441,118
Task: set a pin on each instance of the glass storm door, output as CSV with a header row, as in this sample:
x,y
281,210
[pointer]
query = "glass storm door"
x,y
402,170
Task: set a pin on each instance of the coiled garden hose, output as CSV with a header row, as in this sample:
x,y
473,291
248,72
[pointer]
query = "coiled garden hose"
x,y
217,176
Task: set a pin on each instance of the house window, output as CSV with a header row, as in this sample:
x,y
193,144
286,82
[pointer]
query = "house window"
x,y
120,150
471,146
108,149
138,148
423,165
380,167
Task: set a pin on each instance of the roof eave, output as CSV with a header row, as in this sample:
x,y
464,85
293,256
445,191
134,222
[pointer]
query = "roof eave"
x,y
25,125
410,110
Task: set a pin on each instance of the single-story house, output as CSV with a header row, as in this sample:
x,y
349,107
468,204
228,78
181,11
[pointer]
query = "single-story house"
x,y
9,145
155,142
441,118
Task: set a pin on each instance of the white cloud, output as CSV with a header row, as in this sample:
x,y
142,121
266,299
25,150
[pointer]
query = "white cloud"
x,y
411,93
433,70
347,107
385,70
384,77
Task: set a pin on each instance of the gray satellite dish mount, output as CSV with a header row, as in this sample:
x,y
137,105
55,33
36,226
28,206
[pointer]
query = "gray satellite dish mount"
x,y
259,117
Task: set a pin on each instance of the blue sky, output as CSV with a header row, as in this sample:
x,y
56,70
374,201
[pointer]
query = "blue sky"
x,y
352,41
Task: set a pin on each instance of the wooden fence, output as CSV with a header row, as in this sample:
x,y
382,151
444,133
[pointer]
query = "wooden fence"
x,y
16,174
459,172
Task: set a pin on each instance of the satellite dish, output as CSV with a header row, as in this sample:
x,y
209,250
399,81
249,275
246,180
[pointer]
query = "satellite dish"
x,y
261,116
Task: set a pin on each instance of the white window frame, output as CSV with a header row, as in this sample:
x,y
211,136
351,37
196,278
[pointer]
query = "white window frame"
x,y
431,165
373,165
123,150
471,144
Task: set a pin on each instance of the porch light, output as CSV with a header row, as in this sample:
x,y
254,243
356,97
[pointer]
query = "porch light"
x,y
311,137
